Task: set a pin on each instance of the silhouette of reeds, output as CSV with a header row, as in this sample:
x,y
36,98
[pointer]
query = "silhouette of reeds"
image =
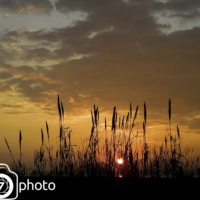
x,y
96,159
20,168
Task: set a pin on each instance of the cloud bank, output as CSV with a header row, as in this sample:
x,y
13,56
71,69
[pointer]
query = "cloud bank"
x,y
116,55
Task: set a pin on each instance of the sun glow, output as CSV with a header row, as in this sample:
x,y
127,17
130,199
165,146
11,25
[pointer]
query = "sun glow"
x,y
120,161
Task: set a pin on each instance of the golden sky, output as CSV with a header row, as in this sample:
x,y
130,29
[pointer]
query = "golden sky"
x,y
104,52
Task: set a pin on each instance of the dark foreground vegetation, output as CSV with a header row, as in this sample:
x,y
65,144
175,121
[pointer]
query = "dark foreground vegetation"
x,y
95,165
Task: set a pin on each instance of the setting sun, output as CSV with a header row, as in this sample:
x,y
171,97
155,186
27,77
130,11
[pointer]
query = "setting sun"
x,y
120,161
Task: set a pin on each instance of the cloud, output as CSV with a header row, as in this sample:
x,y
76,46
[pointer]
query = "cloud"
x,y
23,6
182,6
83,95
187,9
29,83
6,15
5,75
11,106
117,55
38,54
71,100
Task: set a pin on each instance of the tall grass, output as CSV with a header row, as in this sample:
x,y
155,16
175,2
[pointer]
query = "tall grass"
x,y
19,167
99,159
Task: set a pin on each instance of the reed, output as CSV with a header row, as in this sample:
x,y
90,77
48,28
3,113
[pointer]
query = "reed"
x,y
19,168
99,159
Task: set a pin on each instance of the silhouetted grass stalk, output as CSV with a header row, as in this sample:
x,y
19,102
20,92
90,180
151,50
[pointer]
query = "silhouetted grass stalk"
x,y
94,159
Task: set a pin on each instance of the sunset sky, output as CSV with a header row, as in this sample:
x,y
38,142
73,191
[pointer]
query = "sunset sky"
x,y
103,52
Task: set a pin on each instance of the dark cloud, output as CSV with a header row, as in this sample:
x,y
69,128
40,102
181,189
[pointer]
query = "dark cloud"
x,y
116,56
187,16
22,6
37,54
182,6
186,9
11,106
11,36
183,9
194,124
29,82
86,6
5,75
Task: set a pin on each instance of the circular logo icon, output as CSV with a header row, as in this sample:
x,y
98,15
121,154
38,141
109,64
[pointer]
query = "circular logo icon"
x,y
6,186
